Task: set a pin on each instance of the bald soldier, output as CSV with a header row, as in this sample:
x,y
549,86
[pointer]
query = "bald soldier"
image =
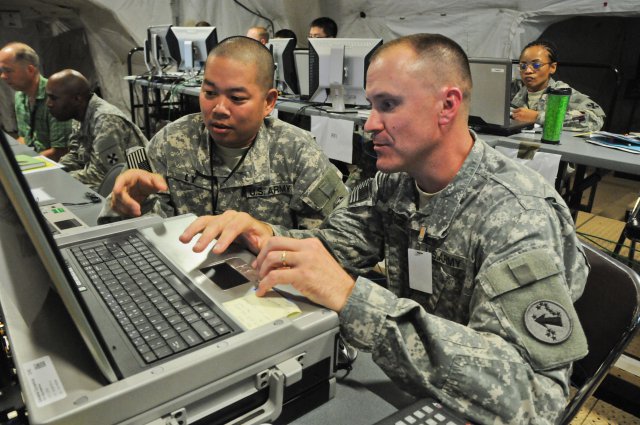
x,y
482,259
104,135
233,155
37,128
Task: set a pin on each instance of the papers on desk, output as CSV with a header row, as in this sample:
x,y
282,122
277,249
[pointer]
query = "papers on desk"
x,y
621,142
253,311
32,164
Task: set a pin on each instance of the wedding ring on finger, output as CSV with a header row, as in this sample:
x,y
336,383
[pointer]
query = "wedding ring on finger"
x,y
283,258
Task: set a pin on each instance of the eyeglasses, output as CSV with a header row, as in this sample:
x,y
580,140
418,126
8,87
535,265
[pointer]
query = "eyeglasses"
x,y
534,65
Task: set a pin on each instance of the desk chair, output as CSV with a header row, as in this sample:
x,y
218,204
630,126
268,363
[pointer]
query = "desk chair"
x,y
630,231
609,311
109,179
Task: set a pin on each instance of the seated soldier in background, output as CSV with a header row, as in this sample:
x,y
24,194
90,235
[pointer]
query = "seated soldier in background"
x,y
37,128
233,155
105,133
259,33
323,27
538,62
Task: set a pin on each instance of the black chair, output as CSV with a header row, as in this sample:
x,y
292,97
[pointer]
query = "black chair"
x,y
609,311
109,179
630,231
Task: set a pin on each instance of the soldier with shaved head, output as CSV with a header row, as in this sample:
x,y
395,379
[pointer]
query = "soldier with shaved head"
x,y
105,132
233,154
19,68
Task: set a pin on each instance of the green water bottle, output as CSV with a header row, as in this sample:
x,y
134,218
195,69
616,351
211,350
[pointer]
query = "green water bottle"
x,y
557,102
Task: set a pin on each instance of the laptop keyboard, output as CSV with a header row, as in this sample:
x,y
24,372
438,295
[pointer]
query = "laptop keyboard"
x,y
424,411
156,310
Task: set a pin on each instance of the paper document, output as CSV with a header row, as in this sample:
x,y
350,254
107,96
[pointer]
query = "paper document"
x,y
252,311
32,164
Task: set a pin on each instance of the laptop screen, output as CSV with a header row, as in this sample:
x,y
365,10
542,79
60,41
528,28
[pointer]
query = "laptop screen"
x,y
491,93
15,189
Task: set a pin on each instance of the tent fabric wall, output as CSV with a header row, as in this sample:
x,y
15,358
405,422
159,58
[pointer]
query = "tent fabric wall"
x,y
496,28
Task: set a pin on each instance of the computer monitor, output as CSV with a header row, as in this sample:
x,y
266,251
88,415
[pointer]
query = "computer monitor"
x,y
156,50
286,76
189,46
338,69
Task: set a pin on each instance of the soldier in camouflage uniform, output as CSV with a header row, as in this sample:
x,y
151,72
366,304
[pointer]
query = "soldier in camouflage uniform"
x,y
232,155
482,260
538,61
104,135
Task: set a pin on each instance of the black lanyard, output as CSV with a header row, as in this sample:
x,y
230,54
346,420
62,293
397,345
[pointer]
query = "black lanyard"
x,y
215,187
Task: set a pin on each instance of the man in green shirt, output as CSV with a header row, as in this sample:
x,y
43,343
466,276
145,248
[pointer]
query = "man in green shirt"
x,y
19,68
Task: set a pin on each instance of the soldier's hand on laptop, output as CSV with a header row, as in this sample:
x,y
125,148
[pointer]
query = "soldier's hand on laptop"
x,y
131,188
307,266
227,227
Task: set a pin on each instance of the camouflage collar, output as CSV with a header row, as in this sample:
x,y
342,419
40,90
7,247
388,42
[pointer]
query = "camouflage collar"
x,y
444,206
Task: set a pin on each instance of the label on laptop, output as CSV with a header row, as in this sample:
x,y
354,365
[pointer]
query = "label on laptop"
x,y
43,381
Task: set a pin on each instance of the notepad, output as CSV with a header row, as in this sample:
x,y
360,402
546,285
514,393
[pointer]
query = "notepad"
x,y
31,164
253,311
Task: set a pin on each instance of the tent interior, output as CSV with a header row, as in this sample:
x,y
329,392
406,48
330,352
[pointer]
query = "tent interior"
x,y
96,36
598,41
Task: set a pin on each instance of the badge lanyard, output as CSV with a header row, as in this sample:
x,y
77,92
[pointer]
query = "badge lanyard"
x,y
420,267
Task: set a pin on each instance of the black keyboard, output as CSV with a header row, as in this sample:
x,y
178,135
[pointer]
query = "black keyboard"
x,y
155,309
423,412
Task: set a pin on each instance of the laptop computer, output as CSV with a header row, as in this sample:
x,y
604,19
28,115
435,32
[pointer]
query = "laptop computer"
x,y
490,110
212,364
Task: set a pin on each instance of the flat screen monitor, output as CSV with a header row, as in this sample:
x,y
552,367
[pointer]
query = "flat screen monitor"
x,y
156,50
189,46
338,69
286,76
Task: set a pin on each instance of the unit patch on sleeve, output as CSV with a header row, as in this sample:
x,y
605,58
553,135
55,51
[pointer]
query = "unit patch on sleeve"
x,y
548,322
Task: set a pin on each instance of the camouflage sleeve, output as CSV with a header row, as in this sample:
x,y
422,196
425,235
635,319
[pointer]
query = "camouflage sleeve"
x,y
150,205
519,99
353,232
495,369
107,150
479,373
71,161
318,186
159,203
584,113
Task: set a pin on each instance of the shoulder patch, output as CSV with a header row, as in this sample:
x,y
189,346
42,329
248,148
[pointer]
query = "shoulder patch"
x,y
548,322
362,192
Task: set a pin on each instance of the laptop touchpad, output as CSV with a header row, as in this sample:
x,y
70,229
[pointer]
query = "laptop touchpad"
x,y
224,275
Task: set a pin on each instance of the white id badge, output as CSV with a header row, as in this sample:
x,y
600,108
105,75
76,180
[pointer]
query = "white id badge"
x,y
420,276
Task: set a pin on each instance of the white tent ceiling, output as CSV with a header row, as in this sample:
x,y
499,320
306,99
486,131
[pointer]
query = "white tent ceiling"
x,y
496,28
